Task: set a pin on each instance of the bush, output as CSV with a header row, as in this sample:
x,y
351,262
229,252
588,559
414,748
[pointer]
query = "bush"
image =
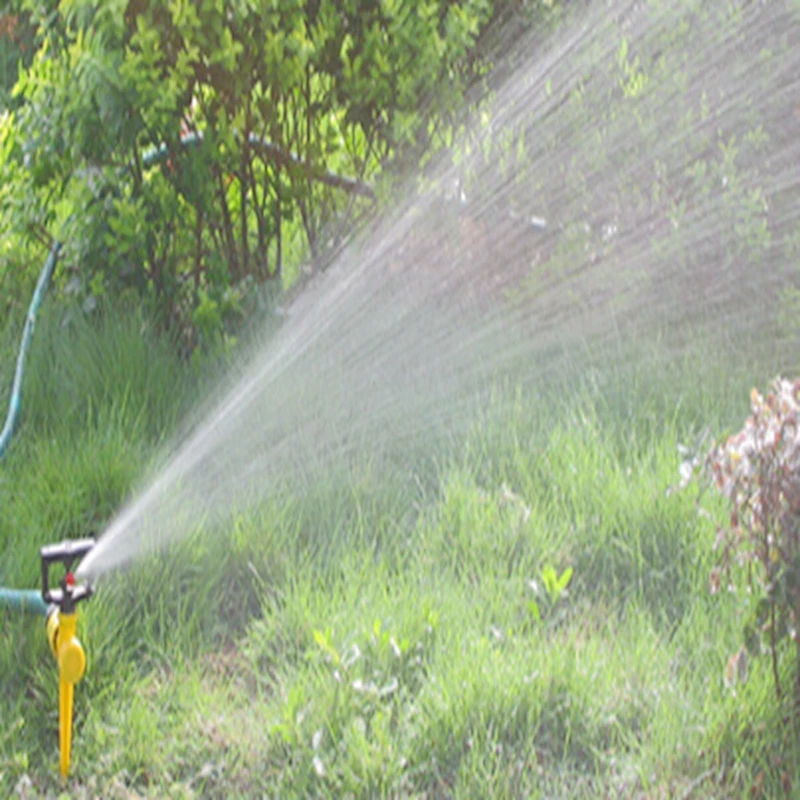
x,y
288,108
757,470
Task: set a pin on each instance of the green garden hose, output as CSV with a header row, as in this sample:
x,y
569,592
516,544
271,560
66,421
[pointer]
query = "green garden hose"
x,y
25,600
275,154
29,600
15,403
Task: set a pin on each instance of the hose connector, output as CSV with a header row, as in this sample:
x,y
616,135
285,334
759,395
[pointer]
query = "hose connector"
x,y
61,627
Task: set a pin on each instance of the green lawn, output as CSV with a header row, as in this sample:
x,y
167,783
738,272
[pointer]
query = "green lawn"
x,y
377,636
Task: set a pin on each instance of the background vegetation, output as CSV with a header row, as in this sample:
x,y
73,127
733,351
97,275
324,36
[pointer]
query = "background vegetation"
x,y
279,99
302,116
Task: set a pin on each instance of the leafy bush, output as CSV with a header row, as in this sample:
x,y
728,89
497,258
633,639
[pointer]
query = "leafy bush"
x,y
757,470
288,108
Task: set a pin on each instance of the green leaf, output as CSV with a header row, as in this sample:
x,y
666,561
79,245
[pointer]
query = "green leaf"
x,y
550,580
564,580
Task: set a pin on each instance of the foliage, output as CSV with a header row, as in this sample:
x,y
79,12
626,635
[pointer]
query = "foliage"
x,y
16,48
757,470
273,98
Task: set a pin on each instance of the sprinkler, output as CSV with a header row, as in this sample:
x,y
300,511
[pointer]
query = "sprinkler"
x,y
61,625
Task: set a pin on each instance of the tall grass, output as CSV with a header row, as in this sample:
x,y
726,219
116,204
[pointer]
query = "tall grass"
x,y
372,634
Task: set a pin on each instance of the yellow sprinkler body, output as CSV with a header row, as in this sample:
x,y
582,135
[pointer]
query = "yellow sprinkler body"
x,y
62,627
71,660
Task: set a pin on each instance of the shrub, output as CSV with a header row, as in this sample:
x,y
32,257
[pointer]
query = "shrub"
x,y
290,107
757,470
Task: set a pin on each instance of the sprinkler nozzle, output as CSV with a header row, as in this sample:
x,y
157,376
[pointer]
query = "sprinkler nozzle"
x,y
61,626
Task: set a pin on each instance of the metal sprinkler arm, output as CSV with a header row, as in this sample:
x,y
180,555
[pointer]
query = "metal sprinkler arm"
x,y
61,626
66,553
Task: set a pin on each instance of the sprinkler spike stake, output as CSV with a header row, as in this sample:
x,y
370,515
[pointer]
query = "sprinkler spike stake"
x,y
62,625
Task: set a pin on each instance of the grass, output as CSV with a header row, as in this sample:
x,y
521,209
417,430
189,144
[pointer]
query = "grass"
x,y
376,637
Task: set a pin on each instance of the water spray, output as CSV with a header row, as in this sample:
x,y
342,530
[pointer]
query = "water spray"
x,y
61,626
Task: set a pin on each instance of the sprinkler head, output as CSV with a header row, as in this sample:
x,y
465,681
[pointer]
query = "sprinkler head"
x,y
67,553
61,626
